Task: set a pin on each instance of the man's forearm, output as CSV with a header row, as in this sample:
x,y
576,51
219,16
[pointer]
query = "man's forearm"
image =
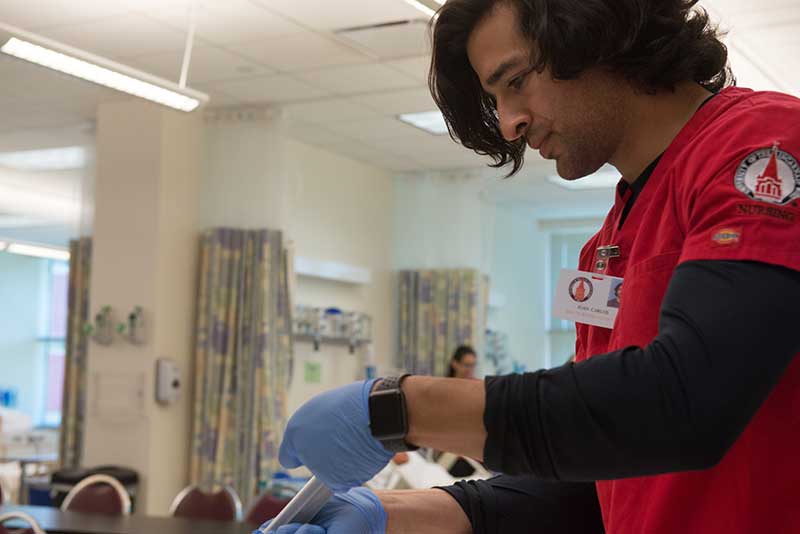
x,y
446,414
429,511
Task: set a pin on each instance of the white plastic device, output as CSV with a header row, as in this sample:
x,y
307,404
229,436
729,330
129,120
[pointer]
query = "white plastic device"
x,y
168,381
303,507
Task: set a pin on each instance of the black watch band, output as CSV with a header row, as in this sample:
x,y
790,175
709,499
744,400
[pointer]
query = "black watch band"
x,y
392,413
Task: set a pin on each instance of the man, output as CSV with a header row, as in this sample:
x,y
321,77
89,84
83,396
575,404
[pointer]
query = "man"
x,y
683,418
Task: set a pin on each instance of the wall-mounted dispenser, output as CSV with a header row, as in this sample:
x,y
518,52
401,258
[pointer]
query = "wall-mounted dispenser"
x,y
102,329
133,328
168,381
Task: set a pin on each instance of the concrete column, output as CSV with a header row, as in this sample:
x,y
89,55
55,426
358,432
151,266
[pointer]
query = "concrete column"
x,y
144,254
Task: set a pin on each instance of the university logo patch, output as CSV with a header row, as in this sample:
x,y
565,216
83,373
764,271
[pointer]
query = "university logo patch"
x,y
581,289
769,175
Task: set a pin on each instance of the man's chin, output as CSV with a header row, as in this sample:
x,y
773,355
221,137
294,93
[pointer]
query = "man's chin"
x,y
570,172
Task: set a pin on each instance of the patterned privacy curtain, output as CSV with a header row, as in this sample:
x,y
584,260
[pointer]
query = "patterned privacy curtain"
x,y
73,404
439,310
242,359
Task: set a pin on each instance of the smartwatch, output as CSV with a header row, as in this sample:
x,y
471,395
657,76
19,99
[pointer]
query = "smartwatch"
x,y
388,417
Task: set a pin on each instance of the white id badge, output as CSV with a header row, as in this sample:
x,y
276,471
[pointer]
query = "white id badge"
x,y
587,298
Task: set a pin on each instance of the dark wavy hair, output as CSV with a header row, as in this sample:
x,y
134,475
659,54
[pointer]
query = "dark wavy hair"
x,y
653,43
458,356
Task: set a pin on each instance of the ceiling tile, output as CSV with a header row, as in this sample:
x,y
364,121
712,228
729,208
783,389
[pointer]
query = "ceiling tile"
x,y
37,87
305,50
327,111
390,41
216,97
453,161
746,8
416,67
41,14
443,153
208,64
231,21
397,102
377,158
343,13
312,134
411,141
42,118
278,88
354,79
150,6
119,37
29,139
369,130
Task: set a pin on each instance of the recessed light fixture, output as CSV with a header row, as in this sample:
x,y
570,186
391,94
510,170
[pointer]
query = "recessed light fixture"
x,y
102,71
51,253
430,121
48,159
605,178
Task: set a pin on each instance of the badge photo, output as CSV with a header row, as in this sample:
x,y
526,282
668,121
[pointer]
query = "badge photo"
x,y
769,175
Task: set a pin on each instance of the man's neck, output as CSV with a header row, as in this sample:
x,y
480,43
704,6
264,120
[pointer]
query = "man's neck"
x,y
655,120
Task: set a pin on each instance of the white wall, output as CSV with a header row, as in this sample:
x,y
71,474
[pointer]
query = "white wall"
x,y
329,207
501,227
443,221
518,273
343,214
144,253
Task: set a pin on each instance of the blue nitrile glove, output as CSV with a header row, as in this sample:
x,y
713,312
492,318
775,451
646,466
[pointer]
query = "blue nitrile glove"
x,y
330,435
359,511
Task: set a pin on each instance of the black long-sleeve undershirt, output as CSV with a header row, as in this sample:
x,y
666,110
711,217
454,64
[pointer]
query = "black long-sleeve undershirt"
x,y
727,331
522,504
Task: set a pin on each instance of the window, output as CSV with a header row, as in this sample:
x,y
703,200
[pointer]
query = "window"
x,y
563,253
53,341
33,324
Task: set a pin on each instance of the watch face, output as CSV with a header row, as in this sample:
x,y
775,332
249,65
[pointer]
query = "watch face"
x,y
387,415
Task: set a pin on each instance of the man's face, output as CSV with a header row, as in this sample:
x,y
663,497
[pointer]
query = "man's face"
x,y
579,122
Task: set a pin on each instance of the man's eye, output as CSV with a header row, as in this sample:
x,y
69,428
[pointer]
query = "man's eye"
x,y
517,82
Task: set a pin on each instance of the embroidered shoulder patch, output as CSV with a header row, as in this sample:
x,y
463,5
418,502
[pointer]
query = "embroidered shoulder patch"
x,y
769,175
727,236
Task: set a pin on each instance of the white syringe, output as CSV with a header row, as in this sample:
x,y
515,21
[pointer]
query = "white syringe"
x,y
303,506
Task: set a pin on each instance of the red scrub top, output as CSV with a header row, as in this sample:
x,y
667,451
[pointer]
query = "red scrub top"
x,y
727,188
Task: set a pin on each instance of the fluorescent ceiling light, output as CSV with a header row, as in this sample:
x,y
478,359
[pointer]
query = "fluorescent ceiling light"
x,y
50,159
422,7
37,251
69,60
605,178
430,121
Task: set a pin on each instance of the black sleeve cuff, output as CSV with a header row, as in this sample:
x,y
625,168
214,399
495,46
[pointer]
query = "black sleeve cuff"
x,y
506,504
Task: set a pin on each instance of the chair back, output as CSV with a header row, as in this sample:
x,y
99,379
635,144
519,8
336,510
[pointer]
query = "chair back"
x,y
264,508
194,503
98,494
20,516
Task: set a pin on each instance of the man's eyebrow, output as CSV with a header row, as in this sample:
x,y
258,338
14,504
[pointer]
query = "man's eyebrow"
x,y
500,71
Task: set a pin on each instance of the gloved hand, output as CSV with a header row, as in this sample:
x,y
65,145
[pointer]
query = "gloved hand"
x,y
359,511
330,435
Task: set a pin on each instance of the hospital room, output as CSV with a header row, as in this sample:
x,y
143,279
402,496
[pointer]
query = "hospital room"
x,y
359,266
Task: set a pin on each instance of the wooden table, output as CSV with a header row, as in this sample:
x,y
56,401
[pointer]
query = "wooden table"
x,y
54,521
